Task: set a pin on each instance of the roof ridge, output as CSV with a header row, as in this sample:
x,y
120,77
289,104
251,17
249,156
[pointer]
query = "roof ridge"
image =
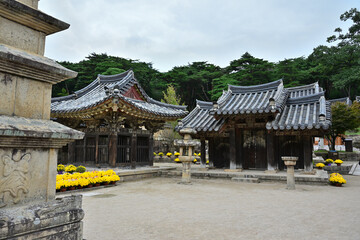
x,y
306,99
255,88
151,100
111,78
204,104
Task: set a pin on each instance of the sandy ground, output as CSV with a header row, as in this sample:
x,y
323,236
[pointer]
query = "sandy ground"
x,y
160,208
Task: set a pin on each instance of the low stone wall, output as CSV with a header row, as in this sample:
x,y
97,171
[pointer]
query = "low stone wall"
x,y
345,156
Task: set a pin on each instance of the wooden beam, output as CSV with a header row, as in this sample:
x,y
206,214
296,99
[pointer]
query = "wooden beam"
x,y
239,148
151,149
270,153
232,150
97,149
211,152
203,153
133,149
112,149
307,148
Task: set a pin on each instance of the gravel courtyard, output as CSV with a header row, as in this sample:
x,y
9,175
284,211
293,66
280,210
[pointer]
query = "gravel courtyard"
x,y
159,208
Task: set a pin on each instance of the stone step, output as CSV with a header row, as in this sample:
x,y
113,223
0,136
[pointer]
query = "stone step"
x,y
244,179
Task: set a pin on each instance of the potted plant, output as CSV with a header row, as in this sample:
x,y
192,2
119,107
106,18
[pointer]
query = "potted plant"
x,y
161,154
81,169
177,160
70,169
329,161
169,154
338,162
337,179
60,168
320,165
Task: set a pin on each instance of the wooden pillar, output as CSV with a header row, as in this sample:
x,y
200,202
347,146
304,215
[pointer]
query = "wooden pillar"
x,y
133,149
307,148
211,152
84,149
97,149
232,142
270,153
151,149
239,148
203,153
71,152
112,149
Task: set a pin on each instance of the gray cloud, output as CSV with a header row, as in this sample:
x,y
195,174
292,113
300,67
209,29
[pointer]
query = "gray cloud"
x,y
173,32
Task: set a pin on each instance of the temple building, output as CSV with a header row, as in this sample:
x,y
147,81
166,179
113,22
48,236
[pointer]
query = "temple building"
x,y
118,119
251,127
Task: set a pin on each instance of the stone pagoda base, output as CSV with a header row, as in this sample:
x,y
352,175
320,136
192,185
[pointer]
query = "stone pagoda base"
x,y
57,219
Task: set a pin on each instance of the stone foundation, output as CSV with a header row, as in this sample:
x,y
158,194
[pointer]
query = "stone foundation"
x,y
57,219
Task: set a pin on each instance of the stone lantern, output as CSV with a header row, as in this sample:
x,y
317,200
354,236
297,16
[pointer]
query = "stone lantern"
x,y
290,162
187,146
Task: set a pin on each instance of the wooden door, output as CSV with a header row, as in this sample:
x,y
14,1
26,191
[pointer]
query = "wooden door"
x,y
254,149
90,149
290,146
123,150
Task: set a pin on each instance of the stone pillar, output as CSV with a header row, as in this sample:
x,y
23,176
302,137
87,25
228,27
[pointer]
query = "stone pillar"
x,y
290,162
29,141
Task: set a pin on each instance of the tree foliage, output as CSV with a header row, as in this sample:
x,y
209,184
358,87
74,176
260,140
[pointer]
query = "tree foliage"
x,y
344,118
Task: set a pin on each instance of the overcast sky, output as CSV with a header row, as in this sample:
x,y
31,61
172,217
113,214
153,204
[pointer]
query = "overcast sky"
x,y
172,33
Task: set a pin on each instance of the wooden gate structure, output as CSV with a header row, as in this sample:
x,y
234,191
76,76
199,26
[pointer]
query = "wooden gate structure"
x,y
118,119
251,127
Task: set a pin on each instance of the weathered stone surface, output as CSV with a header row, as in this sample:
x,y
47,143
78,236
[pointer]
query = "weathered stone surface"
x,y
31,17
56,219
22,37
36,128
21,63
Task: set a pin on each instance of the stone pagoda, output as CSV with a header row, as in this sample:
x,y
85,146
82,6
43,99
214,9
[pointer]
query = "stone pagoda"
x,y
29,141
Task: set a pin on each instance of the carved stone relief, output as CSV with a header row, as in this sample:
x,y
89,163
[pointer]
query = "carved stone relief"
x,y
14,179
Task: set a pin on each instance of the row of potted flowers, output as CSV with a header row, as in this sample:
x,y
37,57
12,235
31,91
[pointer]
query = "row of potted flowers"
x,y
176,154
74,181
70,169
328,162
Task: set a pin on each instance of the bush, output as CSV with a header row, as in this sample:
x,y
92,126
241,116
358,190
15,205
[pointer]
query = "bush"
x,y
80,169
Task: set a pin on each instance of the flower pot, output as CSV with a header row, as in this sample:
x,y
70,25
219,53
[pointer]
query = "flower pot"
x,y
89,186
112,183
72,188
105,183
320,168
97,185
338,184
79,187
62,189
338,164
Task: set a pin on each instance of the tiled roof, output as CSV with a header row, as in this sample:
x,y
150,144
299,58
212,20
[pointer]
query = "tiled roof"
x,y
200,118
345,100
105,88
251,99
303,113
296,108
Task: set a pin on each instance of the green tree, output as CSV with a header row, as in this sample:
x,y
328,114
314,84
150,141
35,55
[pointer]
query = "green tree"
x,y
345,58
170,96
113,71
344,118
